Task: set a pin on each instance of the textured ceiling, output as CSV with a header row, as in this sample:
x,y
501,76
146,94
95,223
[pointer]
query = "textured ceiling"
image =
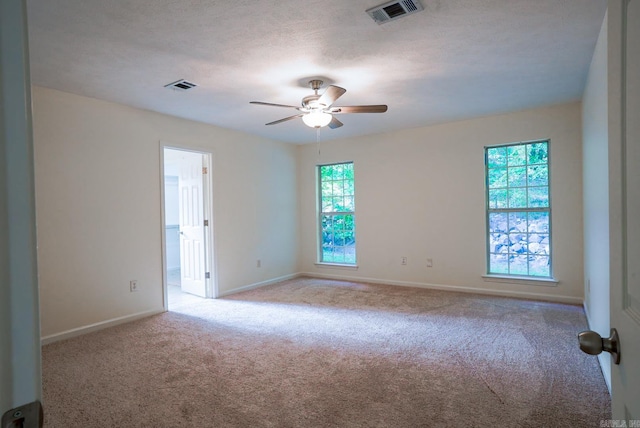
x,y
457,59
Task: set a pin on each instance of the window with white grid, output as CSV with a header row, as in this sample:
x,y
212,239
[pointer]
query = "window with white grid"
x,y
336,220
518,209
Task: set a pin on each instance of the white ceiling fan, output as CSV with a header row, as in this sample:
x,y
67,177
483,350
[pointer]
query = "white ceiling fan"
x,y
318,111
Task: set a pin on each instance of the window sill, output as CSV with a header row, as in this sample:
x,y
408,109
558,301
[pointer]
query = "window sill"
x,y
524,280
336,266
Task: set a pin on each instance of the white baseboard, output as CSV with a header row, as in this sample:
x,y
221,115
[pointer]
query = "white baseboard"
x,y
505,293
98,326
259,284
128,318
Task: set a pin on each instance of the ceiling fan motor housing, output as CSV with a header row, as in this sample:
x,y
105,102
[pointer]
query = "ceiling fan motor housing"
x,y
311,102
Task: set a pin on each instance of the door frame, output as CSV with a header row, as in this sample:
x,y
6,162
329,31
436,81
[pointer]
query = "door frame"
x,y
209,233
20,347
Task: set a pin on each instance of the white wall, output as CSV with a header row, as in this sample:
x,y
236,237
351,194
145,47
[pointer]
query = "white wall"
x,y
420,194
97,170
171,201
596,195
171,221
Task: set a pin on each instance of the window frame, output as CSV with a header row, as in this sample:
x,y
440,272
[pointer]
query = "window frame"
x,y
321,213
489,211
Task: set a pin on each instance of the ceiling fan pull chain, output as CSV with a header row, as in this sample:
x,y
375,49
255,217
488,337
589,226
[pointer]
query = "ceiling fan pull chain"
x,y
318,143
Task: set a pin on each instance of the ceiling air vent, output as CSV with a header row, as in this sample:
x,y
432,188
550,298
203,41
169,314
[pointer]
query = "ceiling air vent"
x,y
393,10
181,85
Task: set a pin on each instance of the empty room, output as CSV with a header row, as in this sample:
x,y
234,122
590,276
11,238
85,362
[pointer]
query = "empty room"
x,y
413,213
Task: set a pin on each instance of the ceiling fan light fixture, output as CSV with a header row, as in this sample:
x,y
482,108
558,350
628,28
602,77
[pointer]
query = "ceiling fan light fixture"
x,y
317,119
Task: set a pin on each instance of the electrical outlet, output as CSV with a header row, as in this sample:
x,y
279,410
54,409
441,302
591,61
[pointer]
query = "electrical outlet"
x,y
259,263
429,262
133,285
403,261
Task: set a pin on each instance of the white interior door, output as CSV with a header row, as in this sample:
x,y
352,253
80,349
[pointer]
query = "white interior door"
x,y
624,151
192,228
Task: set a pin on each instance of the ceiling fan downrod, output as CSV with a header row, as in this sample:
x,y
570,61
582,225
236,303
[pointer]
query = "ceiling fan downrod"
x,y
315,84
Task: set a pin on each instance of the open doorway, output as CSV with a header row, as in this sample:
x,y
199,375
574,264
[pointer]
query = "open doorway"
x,y
187,233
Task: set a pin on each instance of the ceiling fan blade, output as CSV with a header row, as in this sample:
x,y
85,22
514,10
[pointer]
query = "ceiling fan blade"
x,y
284,120
271,104
331,95
335,123
359,109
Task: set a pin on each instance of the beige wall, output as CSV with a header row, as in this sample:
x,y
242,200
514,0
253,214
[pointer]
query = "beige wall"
x,y
420,194
595,154
97,168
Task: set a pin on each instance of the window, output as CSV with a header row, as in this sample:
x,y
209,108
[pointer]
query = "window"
x,y
337,214
518,209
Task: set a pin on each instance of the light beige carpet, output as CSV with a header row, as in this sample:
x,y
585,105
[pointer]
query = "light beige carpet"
x,y
320,353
